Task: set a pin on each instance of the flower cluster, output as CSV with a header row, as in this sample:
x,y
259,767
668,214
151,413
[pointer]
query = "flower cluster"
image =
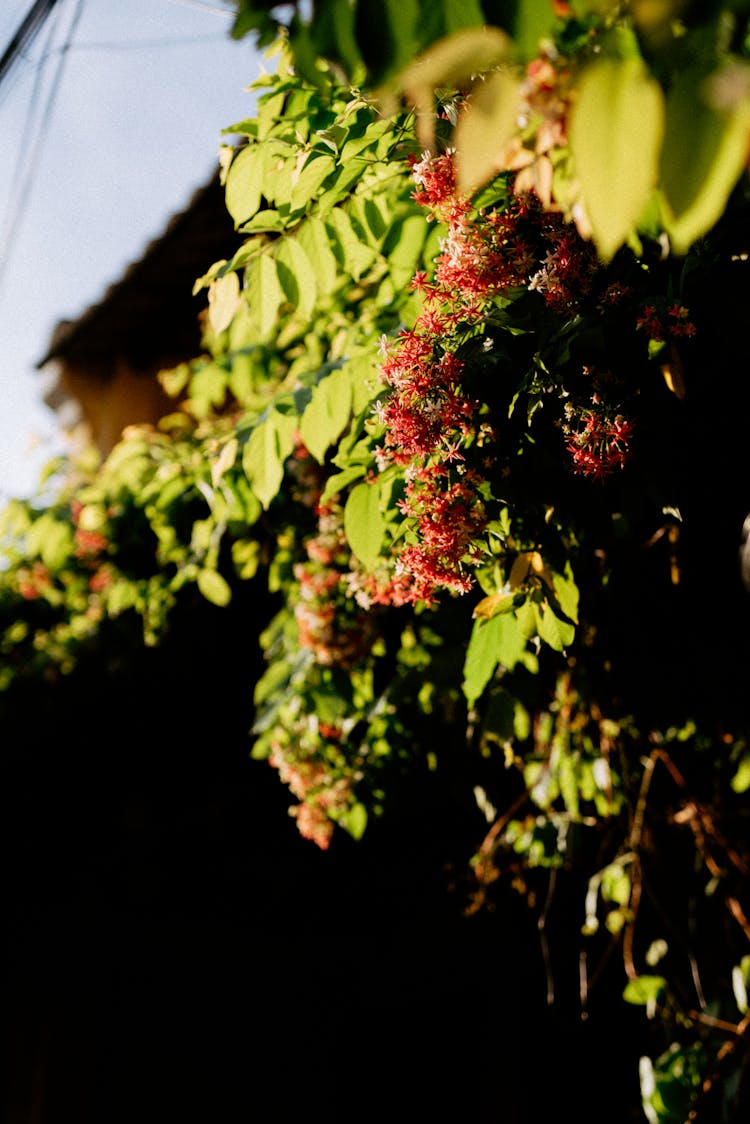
x,y
33,581
569,268
432,425
312,756
601,445
663,321
543,108
308,778
329,623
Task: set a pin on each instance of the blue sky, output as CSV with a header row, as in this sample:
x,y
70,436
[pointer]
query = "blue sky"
x,y
98,153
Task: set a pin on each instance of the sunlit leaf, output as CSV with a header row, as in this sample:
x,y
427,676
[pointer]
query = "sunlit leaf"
x,y
554,631
493,604
263,457
354,820
214,587
243,186
615,132
454,61
245,556
494,643
364,523
51,539
353,255
296,276
264,293
306,183
705,151
327,413
567,594
643,990
224,461
223,300
315,241
488,121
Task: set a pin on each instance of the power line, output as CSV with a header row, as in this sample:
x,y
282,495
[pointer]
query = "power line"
x,y
206,6
142,44
25,176
27,31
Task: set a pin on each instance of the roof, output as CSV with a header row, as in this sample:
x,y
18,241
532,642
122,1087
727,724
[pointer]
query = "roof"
x,y
151,312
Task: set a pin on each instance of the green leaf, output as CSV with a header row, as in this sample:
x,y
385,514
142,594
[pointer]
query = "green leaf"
x,y
455,60
567,594
363,522
462,13
327,414
263,457
354,820
51,539
245,556
705,152
528,618
557,633
223,301
264,294
309,179
567,779
296,276
315,240
741,779
214,587
270,108
615,133
340,480
266,221
366,381
533,22
353,255
484,128
403,247
494,643
644,990
243,184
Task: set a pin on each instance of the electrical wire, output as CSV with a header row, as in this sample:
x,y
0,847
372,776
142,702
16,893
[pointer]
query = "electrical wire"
x,y
25,175
30,26
144,44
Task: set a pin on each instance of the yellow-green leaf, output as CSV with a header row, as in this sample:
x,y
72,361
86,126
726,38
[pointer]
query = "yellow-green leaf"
x,y
705,151
485,126
214,587
456,59
308,179
246,556
264,294
243,186
494,642
363,522
615,132
296,275
493,604
557,633
453,61
224,461
223,301
353,254
327,413
263,457
315,241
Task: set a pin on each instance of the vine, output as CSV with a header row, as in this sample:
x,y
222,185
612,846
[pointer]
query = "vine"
x,y
456,380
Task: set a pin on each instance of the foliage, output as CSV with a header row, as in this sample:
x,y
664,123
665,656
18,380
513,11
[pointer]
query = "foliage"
x,y
469,415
